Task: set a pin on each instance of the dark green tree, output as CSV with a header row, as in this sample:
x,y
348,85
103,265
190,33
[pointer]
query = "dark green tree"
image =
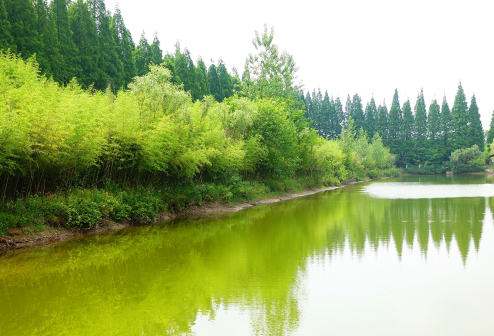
x,y
382,121
434,133
86,40
342,118
370,118
490,132
143,56
476,136
225,79
49,57
420,146
357,112
334,127
124,45
446,130
70,55
202,78
169,63
406,153
6,40
22,18
459,121
395,118
156,50
214,84
110,63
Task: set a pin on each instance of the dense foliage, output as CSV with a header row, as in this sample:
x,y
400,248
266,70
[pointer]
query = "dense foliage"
x,y
414,136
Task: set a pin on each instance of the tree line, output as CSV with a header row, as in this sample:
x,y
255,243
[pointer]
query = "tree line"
x,y
418,135
82,40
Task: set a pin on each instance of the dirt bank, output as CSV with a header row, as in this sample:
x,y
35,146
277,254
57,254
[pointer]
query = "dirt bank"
x,y
22,238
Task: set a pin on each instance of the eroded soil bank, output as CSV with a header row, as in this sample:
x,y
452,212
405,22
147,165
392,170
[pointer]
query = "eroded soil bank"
x,y
22,238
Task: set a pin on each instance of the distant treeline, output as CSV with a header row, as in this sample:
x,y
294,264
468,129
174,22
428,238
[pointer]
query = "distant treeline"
x,y
82,40
415,136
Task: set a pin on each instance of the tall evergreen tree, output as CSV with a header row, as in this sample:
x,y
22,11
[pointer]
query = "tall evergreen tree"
x,y
334,127
6,39
86,40
225,79
202,78
157,57
124,45
476,135
22,18
370,118
434,132
49,57
490,132
407,153
70,63
342,117
357,112
110,63
459,120
420,129
395,118
169,63
382,121
143,56
214,83
446,130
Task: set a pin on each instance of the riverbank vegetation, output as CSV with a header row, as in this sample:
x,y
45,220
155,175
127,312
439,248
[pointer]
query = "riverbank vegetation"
x,y
73,157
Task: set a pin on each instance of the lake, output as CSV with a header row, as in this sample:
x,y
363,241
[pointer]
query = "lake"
x,y
407,256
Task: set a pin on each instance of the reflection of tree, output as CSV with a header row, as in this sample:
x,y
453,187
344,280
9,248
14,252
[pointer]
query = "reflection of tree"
x,y
156,280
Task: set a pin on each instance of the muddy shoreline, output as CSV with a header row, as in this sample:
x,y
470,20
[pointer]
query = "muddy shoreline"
x,y
18,238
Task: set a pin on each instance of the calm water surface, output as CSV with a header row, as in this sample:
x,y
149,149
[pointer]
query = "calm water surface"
x,y
407,256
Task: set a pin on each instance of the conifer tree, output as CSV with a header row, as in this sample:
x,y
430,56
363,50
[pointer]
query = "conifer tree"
x,y
142,56
342,117
446,130
370,118
382,121
334,127
6,40
70,64
214,84
22,18
225,79
407,153
86,40
348,108
434,132
459,120
110,63
49,57
357,112
202,78
124,46
156,50
395,118
169,63
476,136
420,129
308,105
490,132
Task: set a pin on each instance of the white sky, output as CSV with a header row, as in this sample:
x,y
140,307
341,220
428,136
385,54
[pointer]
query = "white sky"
x,y
344,46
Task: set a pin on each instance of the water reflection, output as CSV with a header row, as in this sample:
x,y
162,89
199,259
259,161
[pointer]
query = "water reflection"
x,y
157,280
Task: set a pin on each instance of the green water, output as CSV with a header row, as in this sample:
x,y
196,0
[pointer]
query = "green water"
x,y
407,256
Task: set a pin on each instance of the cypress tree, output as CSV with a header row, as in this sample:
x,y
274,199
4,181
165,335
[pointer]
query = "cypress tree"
x,y
225,79
446,130
476,135
395,118
459,120
407,152
370,118
70,64
157,54
214,83
6,39
22,18
308,105
169,63
124,46
434,132
110,63
348,109
202,78
325,115
357,112
86,40
382,121
342,117
420,129
490,132
49,57
142,56
334,127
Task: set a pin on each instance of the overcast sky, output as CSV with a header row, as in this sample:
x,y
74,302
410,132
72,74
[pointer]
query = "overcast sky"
x,y
345,47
